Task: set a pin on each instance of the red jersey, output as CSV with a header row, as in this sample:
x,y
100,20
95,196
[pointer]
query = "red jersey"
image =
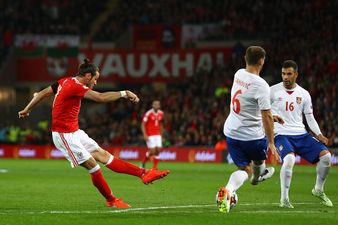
x,y
66,105
152,122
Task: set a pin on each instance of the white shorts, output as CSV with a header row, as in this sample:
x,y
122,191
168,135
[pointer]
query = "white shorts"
x,y
154,141
75,146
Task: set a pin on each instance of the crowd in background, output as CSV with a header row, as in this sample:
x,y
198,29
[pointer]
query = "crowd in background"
x,y
196,108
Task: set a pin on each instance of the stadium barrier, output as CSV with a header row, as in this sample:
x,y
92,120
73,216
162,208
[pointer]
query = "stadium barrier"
x,y
172,154
124,152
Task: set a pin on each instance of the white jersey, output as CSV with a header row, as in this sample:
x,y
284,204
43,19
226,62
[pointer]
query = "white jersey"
x,y
290,105
249,95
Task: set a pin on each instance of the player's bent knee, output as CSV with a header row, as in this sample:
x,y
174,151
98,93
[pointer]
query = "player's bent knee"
x,y
289,161
101,155
89,164
325,159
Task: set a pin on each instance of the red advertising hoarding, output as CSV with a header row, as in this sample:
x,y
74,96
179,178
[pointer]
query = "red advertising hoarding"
x,y
127,153
125,65
174,154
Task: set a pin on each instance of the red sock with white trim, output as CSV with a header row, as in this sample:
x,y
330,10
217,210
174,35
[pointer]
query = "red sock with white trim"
x,y
120,166
101,184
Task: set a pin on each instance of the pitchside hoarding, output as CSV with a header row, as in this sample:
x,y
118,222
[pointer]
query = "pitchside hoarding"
x,y
128,153
174,154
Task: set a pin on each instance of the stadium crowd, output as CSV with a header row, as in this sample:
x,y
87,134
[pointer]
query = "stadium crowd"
x,y
196,108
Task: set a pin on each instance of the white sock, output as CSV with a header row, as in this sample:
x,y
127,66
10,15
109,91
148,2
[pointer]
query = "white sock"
x,y
236,180
257,170
323,167
286,175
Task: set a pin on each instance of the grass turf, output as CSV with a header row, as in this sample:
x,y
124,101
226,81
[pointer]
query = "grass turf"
x,y
50,192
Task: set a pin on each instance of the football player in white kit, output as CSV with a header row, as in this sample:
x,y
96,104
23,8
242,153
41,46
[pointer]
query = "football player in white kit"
x,y
291,101
249,109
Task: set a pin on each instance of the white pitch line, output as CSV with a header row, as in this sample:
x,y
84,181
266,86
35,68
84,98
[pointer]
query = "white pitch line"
x,y
185,207
3,171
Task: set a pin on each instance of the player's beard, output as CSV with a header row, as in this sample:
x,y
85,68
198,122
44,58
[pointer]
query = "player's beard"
x,y
287,84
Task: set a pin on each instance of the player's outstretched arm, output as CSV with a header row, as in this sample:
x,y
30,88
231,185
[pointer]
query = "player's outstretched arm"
x,y
38,97
111,96
268,121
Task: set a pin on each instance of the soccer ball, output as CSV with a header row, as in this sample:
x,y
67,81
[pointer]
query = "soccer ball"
x,y
233,200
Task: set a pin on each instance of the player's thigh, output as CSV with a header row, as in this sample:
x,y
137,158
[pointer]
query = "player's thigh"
x,y
89,144
158,141
256,150
71,148
284,145
237,153
309,148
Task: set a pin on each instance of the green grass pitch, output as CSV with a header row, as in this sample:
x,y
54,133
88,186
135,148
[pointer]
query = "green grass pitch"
x,y
50,192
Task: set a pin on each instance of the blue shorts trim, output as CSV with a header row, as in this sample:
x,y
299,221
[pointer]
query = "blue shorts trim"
x,y
243,152
305,145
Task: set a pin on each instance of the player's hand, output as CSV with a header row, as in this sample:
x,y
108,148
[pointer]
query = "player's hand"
x,y
278,119
274,152
323,139
23,113
132,97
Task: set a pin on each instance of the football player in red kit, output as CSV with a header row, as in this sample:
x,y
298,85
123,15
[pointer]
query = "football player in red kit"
x,y
73,142
152,129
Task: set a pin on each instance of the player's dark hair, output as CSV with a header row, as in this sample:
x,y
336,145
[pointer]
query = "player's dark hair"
x,y
87,67
290,63
253,54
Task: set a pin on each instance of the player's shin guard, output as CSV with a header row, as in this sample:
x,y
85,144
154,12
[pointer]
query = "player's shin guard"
x,y
323,167
286,175
100,183
120,166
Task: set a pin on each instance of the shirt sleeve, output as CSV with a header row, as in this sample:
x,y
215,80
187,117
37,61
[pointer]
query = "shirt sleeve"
x,y
313,125
55,87
80,90
263,96
307,104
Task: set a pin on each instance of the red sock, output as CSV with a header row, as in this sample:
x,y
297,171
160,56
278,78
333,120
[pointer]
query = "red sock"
x,y
101,184
120,166
155,161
